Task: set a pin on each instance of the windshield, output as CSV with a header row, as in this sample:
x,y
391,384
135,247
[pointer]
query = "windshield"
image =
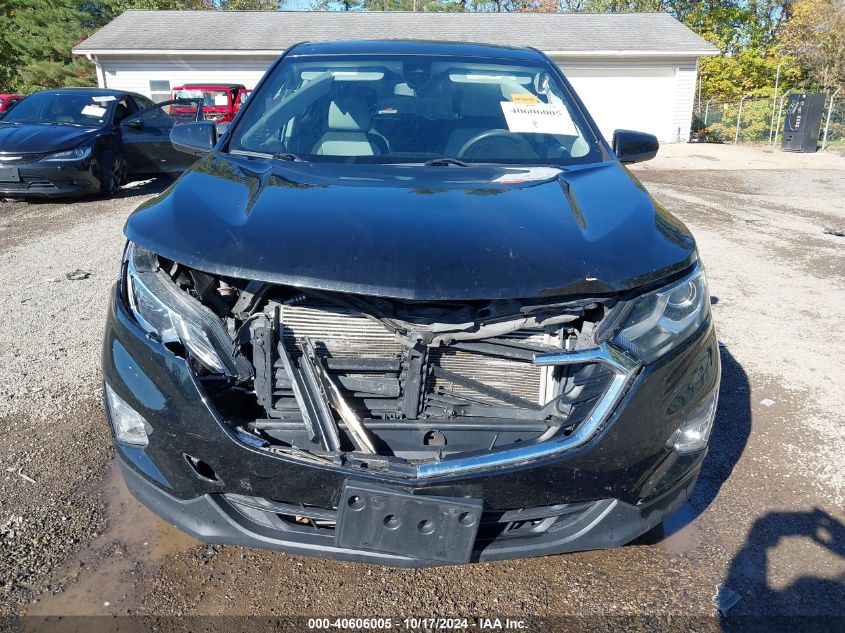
x,y
415,109
210,98
67,108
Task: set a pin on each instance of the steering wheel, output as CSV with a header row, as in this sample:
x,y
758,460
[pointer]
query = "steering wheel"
x,y
524,146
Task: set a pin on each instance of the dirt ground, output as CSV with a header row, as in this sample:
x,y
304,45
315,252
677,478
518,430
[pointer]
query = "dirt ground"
x,y
766,519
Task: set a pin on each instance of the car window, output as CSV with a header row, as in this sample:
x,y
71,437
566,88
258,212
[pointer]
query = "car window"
x,y
168,113
142,102
411,109
211,97
123,109
70,108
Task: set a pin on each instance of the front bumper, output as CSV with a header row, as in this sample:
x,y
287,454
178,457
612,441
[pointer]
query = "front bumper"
x,y
604,493
607,523
52,180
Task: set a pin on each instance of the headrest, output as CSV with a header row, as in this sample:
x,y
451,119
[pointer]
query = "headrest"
x,y
481,100
349,114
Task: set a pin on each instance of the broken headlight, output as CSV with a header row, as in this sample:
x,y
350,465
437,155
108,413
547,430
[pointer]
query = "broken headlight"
x,y
171,315
656,322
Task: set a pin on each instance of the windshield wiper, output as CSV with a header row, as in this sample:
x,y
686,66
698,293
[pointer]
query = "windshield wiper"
x,y
445,162
288,156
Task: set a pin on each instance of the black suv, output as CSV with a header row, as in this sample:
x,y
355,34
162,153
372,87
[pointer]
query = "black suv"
x,y
411,309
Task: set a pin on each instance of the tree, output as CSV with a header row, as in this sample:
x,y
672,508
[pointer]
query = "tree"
x,y
45,31
815,36
8,59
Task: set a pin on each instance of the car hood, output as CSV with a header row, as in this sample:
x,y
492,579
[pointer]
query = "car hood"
x,y
41,137
410,232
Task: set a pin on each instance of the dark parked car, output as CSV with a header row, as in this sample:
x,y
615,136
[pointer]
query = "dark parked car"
x,y
411,309
78,141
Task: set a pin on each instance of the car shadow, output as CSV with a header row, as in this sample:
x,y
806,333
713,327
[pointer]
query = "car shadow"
x,y
810,602
731,429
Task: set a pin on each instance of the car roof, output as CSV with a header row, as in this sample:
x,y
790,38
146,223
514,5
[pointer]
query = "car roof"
x,y
87,91
414,47
210,84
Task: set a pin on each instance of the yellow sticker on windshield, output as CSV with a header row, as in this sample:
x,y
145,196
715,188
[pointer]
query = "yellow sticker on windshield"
x,y
524,97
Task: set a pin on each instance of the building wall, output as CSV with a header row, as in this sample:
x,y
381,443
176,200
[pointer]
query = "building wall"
x,y
136,74
648,95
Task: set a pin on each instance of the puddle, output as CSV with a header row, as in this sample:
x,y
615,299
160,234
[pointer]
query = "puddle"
x,y
107,577
681,533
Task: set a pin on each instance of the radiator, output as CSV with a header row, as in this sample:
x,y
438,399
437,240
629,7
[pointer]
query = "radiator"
x,y
344,332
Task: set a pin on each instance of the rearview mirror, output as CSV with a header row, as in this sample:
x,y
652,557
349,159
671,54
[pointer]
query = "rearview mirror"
x,y
135,124
195,138
634,147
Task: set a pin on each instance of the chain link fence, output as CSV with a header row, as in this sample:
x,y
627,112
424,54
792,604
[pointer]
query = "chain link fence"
x,y
836,128
758,121
747,120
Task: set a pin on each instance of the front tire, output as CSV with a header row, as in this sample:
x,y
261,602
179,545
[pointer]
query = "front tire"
x,y
112,173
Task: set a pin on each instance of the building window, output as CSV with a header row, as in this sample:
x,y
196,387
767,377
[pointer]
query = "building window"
x,y
159,90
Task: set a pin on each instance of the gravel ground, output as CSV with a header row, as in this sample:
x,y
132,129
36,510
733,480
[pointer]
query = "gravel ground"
x,y
766,518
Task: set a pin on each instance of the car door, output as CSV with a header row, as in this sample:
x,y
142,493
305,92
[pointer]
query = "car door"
x,y
146,137
241,98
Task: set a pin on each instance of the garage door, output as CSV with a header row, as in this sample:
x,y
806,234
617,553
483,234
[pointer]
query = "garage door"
x,y
641,99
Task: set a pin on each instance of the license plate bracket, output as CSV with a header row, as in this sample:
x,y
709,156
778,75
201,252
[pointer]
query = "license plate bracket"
x,y
381,519
9,174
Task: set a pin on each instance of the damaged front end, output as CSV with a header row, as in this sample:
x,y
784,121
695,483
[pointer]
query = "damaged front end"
x,y
410,388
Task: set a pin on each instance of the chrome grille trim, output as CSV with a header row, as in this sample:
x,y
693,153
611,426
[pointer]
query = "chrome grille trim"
x,y
624,368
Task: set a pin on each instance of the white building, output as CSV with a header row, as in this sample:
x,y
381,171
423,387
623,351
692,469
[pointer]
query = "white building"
x,y
633,70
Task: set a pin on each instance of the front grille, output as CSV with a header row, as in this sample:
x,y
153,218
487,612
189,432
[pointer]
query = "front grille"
x,y
14,158
28,183
495,524
326,371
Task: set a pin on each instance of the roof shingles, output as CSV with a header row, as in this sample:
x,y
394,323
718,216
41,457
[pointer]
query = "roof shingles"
x,y
278,30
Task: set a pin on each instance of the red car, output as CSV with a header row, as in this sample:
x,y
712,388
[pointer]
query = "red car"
x,y
220,101
7,101
241,98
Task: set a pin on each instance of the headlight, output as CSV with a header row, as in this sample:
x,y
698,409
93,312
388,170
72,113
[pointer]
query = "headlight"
x,y
170,315
658,321
77,153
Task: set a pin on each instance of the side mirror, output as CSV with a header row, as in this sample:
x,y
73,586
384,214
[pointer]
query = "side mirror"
x,y
194,138
135,124
634,147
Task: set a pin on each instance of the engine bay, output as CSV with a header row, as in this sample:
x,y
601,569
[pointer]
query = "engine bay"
x,y
376,380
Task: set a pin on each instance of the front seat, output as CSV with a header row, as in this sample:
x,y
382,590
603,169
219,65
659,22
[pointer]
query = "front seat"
x,y
349,131
480,110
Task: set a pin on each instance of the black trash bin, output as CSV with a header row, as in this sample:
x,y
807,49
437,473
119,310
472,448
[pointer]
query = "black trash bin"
x,y
802,122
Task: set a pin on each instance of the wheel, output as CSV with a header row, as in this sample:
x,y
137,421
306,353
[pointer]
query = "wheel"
x,y
112,173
